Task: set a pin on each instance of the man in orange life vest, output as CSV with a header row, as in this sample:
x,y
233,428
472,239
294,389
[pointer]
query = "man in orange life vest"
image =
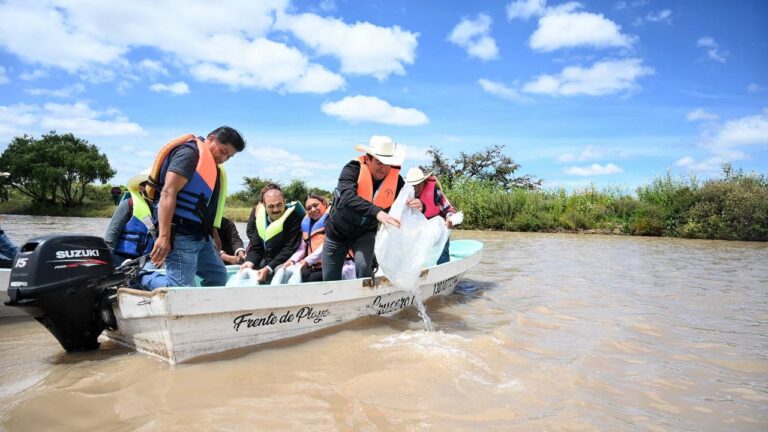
x,y
366,190
189,185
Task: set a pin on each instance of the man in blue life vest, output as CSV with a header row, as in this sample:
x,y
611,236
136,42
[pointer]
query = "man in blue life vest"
x,y
188,185
366,190
274,230
131,231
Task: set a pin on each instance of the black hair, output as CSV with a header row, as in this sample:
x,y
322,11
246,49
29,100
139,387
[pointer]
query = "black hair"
x,y
268,187
228,135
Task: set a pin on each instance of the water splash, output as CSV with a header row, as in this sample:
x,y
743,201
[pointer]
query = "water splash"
x,y
421,308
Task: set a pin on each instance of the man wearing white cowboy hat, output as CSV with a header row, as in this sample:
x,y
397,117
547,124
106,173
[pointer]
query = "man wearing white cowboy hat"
x,y
130,233
366,190
432,201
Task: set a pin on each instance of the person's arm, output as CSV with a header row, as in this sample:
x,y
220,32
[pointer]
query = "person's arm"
x,y
250,226
233,238
446,209
217,239
314,257
165,209
298,255
255,251
292,233
121,217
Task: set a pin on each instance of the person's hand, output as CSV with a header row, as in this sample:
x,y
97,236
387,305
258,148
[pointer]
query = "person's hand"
x,y
263,273
448,224
288,263
229,259
302,264
160,251
240,257
385,218
246,265
416,204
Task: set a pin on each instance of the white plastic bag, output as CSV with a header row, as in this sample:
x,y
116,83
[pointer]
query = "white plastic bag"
x,y
295,275
279,276
403,252
244,278
456,218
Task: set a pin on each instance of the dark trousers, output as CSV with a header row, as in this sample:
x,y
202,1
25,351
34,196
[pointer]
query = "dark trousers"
x,y
309,274
335,251
445,256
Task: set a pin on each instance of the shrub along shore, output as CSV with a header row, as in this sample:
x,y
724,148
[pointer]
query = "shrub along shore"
x,y
732,207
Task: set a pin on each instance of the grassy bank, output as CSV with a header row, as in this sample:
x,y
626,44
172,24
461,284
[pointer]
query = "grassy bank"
x,y
733,207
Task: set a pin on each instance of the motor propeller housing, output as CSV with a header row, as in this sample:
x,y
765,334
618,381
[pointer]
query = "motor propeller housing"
x,y
64,282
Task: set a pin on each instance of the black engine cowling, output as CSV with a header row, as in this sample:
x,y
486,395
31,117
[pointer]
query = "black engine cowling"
x,y
65,282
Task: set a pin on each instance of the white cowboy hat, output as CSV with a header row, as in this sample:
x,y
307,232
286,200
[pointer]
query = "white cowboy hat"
x,y
137,180
416,175
384,149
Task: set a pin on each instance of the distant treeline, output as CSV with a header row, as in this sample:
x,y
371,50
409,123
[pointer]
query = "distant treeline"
x,y
55,176
733,207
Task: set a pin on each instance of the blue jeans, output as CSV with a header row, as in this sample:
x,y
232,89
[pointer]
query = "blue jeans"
x,y
8,250
191,255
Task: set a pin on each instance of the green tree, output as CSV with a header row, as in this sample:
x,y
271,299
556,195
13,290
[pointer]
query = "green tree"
x,y
55,168
296,190
490,165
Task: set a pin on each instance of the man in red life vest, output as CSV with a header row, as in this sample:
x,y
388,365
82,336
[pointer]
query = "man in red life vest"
x,y
188,185
366,189
428,191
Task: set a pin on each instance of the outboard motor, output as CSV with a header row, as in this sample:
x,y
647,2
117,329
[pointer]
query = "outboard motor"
x,y
67,283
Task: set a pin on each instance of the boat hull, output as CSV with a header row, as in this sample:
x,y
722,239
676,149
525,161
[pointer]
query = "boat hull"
x,y
179,324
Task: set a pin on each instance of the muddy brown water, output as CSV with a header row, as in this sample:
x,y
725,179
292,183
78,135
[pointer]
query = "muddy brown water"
x,y
549,332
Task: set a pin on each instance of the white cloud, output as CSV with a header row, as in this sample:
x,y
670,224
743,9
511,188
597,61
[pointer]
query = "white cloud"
x,y
501,90
593,170
605,77
588,153
525,9
327,5
362,48
269,156
634,4
756,88
712,164
177,88
77,118
664,15
700,114
356,109
152,67
725,142
562,27
94,39
3,77
569,30
749,130
473,35
35,74
712,48
63,92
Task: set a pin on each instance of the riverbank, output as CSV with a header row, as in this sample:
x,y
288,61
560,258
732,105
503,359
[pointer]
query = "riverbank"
x,y
733,207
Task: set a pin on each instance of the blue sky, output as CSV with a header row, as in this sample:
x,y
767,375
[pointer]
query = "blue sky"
x,y
579,93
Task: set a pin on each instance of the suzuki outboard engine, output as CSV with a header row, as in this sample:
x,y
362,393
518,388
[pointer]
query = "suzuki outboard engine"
x,y
66,282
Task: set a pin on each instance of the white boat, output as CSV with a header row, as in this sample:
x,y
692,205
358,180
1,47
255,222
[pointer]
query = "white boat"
x,y
177,324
